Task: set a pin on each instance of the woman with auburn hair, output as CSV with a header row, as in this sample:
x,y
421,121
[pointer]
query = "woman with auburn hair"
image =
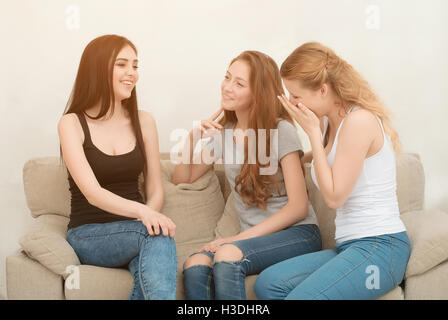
x,y
106,143
354,168
277,221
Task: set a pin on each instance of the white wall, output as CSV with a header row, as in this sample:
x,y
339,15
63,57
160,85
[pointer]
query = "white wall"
x,y
184,50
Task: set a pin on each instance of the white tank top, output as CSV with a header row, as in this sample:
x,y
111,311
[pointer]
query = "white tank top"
x,y
371,209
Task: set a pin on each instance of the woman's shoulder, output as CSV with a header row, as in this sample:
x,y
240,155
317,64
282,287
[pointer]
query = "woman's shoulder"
x,y
69,126
147,125
285,125
361,118
359,121
146,119
145,116
68,118
288,138
361,112
69,121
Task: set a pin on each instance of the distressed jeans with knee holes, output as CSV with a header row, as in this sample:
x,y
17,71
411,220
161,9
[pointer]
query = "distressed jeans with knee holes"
x,y
225,280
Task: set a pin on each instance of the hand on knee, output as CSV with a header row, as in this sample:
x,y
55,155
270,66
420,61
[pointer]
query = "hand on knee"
x,y
228,252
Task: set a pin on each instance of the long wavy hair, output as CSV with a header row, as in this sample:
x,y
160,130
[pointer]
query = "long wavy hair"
x,y
94,84
314,64
265,110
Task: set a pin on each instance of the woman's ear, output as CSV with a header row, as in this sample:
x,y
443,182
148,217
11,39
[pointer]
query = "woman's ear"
x,y
324,90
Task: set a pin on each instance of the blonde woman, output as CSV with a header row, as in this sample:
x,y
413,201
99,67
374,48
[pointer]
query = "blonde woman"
x,y
354,168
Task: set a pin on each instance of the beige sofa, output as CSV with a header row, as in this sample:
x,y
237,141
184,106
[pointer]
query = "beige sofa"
x,y
48,268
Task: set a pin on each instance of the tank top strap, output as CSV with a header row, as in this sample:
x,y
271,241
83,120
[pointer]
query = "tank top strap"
x,y
381,124
340,124
85,129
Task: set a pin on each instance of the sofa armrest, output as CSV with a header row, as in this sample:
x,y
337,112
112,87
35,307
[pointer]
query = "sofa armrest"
x,y
428,234
28,279
46,243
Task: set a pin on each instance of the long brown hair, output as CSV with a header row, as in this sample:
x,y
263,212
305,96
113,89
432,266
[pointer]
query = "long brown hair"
x,y
265,84
94,84
314,64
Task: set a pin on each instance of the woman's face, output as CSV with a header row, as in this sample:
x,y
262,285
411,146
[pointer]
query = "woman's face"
x,y
125,74
235,91
315,100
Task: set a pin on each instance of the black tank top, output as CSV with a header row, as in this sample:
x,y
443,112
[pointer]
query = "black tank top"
x,y
118,174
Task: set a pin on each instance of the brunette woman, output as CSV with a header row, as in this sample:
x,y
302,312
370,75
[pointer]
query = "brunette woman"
x,y
106,144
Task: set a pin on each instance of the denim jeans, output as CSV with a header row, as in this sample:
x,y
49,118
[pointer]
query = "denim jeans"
x,y
226,279
151,260
360,269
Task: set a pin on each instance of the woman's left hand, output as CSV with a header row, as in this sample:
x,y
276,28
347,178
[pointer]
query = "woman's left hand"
x,y
306,118
213,245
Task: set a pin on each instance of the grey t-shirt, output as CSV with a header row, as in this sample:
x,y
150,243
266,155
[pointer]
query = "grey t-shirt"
x,y
284,140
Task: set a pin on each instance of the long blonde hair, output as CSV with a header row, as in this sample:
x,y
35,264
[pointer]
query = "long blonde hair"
x,y
314,64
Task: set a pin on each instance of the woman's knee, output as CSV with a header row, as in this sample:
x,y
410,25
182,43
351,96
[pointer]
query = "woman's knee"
x,y
228,252
266,286
198,259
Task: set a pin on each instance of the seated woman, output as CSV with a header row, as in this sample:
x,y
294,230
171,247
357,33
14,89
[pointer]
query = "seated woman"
x,y
277,221
354,168
106,142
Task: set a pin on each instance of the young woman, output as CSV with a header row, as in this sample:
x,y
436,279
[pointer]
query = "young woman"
x,y
106,142
354,168
277,221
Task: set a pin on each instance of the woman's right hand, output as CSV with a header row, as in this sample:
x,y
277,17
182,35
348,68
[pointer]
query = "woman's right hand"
x,y
210,127
185,171
155,221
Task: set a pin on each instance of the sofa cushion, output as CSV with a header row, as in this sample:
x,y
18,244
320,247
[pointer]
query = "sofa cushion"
x,y
46,242
46,186
431,285
429,239
195,208
410,182
325,215
229,223
27,279
98,283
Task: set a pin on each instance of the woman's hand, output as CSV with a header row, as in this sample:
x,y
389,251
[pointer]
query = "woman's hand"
x,y
213,245
306,118
155,221
210,127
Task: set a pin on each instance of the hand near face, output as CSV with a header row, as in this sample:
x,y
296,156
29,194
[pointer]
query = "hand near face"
x,y
210,127
306,118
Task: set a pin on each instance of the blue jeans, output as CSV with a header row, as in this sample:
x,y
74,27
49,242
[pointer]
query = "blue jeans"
x,y
151,260
226,279
360,269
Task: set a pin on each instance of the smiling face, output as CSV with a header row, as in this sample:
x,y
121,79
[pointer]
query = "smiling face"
x,y
315,100
125,74
235,88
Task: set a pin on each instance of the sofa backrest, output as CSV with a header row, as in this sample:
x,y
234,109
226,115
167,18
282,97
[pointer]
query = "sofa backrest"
x,y
46,189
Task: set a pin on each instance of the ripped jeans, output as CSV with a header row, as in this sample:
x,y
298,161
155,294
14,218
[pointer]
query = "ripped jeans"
x,y
226,279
